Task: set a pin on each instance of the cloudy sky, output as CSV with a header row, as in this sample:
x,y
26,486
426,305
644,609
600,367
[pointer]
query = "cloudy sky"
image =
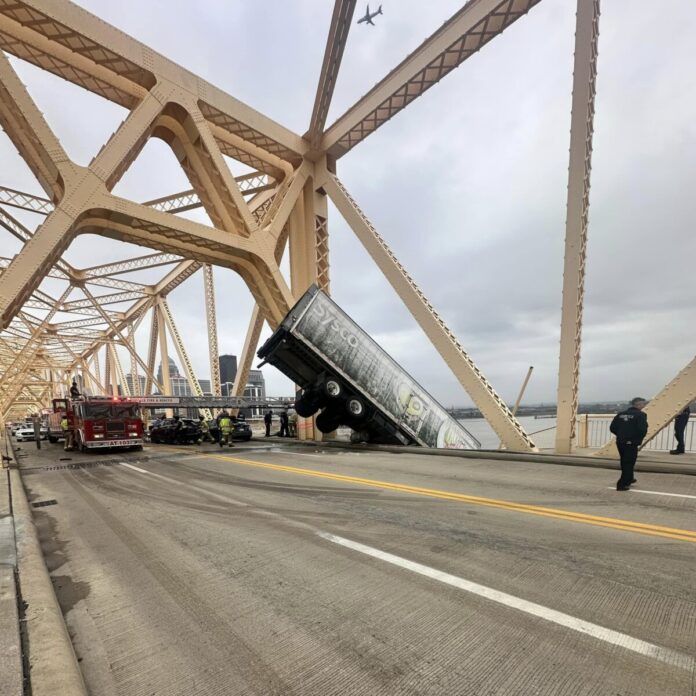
x,y
467,184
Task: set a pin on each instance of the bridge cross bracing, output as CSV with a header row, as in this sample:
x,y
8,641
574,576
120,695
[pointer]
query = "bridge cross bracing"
x,y
47,339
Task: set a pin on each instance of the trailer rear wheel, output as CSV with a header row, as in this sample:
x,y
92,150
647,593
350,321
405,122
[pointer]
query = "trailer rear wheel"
x,y
306,406
332,388
328,421
356,408
52,439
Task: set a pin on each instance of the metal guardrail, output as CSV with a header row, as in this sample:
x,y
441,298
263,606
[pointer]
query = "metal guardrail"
x,y
593,431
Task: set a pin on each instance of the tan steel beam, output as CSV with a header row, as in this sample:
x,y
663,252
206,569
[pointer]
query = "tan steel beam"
x,y
211,315
335,45
183,355
128,265
125,389
25,201
108,62
116,332
493,408
581,128
132,349
26,127
152,352
166,387
248,351
466,32
253,333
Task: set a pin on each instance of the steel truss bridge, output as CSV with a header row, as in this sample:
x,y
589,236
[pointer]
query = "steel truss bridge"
x,y
46,339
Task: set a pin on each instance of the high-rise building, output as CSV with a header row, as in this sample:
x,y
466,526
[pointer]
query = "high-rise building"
x,y
228,368
173,370
130,383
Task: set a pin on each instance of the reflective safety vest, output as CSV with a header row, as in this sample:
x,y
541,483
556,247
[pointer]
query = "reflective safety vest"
x,y
225,425
64,425
204,426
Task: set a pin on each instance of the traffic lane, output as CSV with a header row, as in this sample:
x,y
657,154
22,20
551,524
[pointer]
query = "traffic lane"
x,y
580,562
577,489
582,496
305,607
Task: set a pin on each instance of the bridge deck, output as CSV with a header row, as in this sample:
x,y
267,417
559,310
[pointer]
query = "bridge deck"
x,y
275,569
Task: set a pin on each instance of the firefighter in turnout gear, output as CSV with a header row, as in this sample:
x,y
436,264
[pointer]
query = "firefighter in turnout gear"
x,y
67,433
225,423
205,435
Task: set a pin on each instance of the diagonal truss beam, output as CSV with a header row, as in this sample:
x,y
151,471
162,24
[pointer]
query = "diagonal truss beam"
x,y
335,45
466,32
484,396
27,129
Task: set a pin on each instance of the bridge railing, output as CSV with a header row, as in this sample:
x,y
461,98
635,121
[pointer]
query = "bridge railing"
x,y
593,431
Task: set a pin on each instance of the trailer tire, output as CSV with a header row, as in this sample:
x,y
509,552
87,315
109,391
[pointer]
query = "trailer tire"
x,y
52,439
356,409
328,421
332,388
306,406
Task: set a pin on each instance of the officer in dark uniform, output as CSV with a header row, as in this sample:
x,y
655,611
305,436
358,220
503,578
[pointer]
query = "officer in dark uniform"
x,y
74,390
680,423
630,427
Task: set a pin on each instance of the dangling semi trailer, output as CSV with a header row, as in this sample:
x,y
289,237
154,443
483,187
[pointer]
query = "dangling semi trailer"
x,y
349,380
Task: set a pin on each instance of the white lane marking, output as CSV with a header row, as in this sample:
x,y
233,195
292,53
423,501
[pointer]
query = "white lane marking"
x,y
135,468
673,495
670,657
200,489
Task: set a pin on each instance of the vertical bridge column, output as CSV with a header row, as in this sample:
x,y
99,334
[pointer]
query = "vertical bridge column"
x,y
581,127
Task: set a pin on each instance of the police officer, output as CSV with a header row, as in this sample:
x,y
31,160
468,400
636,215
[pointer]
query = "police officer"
x,y
225,423
630,427
267,420
67,433
680,423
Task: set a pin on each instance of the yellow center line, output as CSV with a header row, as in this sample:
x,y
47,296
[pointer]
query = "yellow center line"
x,y
567,515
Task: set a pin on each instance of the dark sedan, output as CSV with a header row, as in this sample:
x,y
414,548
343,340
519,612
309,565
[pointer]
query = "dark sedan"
x,y
170,431
240,431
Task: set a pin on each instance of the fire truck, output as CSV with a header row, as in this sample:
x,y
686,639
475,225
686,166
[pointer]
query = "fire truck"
x,y
98,422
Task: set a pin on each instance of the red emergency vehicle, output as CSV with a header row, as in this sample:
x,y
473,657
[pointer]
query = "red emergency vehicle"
x,y
98,422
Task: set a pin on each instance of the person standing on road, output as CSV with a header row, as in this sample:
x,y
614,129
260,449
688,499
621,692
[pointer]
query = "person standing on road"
x,y
284,423
67,433
630,427
225,424
680,423
268,420
205,435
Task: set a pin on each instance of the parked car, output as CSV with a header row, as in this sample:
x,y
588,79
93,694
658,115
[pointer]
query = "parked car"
x,y
241,430
166,431
27,433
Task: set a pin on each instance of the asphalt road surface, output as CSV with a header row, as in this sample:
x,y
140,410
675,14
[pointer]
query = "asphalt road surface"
x,y
292,570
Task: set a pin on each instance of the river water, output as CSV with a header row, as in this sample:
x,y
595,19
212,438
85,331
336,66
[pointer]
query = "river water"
x,y
483,432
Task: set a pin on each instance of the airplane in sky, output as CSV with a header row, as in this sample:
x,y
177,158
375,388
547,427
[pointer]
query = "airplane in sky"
x,y
368,17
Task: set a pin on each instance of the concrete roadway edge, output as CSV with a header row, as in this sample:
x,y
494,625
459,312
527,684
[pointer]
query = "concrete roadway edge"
x,y
53,667
497,455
